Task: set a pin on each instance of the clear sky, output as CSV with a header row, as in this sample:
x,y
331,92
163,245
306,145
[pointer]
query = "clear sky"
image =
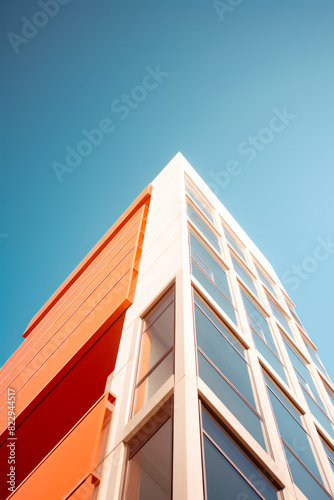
x,y
218,77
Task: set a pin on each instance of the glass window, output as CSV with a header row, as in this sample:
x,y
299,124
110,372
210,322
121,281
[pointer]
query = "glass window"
x,y
150,461
211,275
244,275
313,399
303,373
330,393
329,452
262,335
225,371
315,358
280,316
233,244
303,479
218,323
209,234
296,443
228,469
152,382
295,316
266,280
156,351
319,414
199,201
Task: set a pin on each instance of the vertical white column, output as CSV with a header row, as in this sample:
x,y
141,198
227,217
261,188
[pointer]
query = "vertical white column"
x,y
187,466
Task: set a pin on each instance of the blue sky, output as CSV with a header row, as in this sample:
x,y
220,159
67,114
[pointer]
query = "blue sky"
x,y
225,75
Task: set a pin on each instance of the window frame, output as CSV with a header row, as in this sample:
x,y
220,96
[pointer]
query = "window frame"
x,y
329,391
248,271
257,410
171,288
326,446
198,194
295,317
225,268
210,226
262,272
289,333
228,231
301,413
315,358
246,452
308,390
168,409
264,339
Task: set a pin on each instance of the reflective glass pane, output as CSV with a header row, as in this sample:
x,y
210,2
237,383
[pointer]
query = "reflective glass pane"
x,y
237,457
212,290
246,416
285,401
235,245
303,479
221,327
258,322
330,393
331,463
303,373
165,301
330,454
149,476
296,360
153,382
222,479
243,274
156,340
269,356
210,266
277,313
199,202
265,280
223,355
203,227
315,357
319,415
294,434
295,316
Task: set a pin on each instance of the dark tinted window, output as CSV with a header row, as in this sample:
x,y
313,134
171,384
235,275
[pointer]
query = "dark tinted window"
x,y
211,275
229,473
263,337
296,442
225,371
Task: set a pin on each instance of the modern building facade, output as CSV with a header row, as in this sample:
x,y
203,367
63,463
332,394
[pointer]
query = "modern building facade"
x,y
170,364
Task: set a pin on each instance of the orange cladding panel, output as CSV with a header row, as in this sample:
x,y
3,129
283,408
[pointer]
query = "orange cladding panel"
x,y
77,296
69,463
97,293
64,406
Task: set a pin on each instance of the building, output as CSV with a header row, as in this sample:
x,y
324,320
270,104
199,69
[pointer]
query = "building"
x,y
170,364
